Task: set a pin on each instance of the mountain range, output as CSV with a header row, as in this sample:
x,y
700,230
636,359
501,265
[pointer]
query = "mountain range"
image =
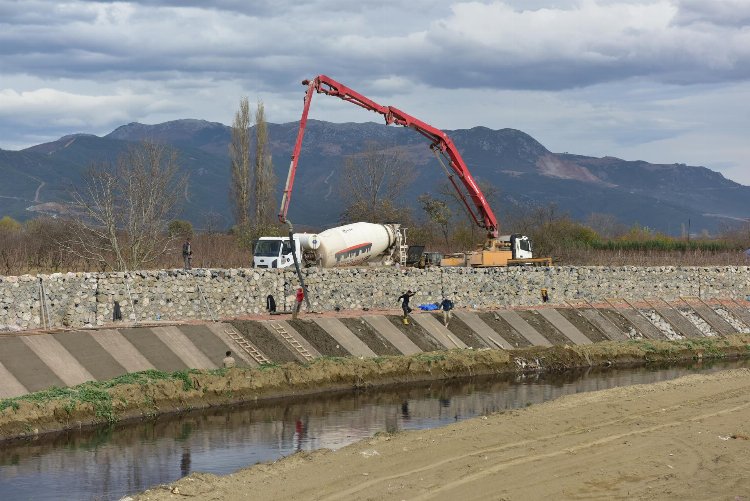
x,y
523,173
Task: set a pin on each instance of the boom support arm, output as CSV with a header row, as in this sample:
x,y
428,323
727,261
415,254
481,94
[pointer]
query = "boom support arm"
x,y
481,213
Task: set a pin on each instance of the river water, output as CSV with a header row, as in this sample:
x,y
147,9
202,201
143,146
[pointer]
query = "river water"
x,y
110,463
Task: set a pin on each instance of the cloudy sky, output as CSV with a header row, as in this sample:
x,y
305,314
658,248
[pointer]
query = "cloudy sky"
x,y
657,80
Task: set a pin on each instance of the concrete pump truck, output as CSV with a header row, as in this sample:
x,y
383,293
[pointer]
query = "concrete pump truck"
x,y
355,243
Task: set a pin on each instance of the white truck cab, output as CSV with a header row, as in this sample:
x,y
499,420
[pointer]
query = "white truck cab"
x,y
275,252
520,246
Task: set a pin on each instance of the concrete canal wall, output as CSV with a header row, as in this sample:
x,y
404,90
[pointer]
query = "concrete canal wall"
x,y
35,361
87,299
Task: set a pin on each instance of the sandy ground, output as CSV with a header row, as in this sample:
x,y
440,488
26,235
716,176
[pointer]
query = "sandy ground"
x,y
681,439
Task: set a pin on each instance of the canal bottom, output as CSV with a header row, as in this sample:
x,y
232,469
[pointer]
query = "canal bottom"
x,y
110,463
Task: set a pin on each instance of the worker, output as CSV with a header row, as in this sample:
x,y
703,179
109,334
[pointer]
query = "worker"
x,y
298,298
447,307
228,361
187,254
404,298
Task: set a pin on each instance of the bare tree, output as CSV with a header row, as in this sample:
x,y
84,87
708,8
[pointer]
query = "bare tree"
x,y
239,153
263,177
124,208
373,182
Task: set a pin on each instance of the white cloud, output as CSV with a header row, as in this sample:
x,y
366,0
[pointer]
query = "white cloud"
x,y
662,80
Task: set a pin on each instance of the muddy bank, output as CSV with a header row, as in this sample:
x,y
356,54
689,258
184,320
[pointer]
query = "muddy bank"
x,y
147,394
686,438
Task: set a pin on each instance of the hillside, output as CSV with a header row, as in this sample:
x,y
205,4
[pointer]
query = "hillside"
x,y
521,170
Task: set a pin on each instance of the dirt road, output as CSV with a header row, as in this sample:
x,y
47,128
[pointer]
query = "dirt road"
x,y
681,439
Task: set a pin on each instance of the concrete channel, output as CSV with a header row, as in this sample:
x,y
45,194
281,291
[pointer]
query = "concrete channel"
x,y
34,361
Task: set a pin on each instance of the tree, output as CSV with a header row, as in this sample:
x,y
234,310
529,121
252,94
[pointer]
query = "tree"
x,y
373,181
239,154
9,225
438,212
264,180
124,207
180,229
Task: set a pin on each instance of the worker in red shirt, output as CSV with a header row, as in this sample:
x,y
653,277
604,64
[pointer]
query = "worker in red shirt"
x,y
299,297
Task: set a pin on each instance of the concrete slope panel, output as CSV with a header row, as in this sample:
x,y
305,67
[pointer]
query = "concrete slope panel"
x,y
603,324
122,350
223,332
643,325
98,361
523,328
394,336
563,325
26,366
439,331
739,312
183,347
713,319
211,345
678,322
344,337
483,330
9,385
156,351
58,359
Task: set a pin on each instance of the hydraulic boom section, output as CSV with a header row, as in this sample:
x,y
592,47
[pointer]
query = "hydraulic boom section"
x,y
441,144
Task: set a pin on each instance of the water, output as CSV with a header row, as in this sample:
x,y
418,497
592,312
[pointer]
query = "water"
x,y
113,462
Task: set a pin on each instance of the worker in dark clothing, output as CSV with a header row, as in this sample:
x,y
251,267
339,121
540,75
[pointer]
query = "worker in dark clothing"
x,y
447,307
187,254
404,298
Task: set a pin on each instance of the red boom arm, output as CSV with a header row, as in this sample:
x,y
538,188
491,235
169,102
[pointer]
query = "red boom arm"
x,y
441,143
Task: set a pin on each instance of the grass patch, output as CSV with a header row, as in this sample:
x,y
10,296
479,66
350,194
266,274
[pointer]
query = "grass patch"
x,y
95,394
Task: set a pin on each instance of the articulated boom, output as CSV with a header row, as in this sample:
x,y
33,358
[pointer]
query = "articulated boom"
x,y
441,144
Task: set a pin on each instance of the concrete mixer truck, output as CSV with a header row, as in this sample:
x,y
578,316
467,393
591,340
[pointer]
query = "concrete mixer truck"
x,y
356,243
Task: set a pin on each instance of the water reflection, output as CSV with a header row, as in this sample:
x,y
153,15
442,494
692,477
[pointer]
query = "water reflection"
x,y
110,463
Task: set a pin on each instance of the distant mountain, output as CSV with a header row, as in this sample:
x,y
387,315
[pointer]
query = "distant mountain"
x,y
522,171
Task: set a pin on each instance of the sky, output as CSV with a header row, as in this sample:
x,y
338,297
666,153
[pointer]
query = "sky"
x,y
665,81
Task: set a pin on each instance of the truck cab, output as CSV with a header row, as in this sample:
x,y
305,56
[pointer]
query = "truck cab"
x,y
520,246
275,252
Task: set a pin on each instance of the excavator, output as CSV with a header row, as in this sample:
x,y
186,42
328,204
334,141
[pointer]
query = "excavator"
x,y
506,250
